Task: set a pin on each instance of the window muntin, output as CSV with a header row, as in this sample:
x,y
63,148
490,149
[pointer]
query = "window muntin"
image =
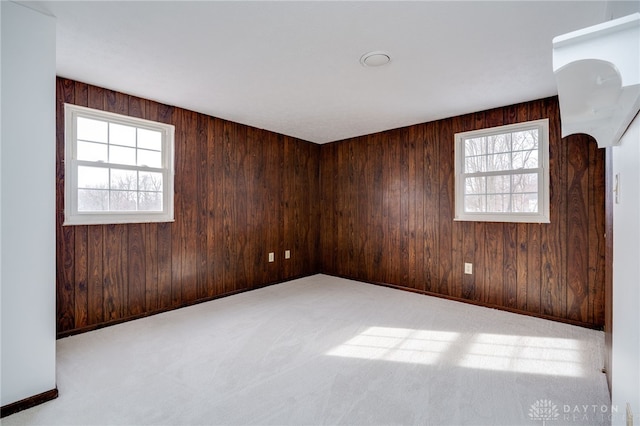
x,y
118,169
502,173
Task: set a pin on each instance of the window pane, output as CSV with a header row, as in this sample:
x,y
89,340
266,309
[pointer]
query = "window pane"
x,y
525,159
120,155
122,135
149,158
498,162
525,203
498,203
89,151
475,185
93,200
524,140
92,130
475,146
498,184
150,201
531,160
499,143
149,139
123,200
124,179
475,164
149,181
530,203
93,177
474,204
525,182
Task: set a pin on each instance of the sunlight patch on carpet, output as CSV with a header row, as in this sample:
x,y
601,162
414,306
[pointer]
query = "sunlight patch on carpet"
x,y
485,351
397,345
525,354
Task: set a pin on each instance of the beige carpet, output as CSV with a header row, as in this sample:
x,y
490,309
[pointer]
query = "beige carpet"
x,y
324,350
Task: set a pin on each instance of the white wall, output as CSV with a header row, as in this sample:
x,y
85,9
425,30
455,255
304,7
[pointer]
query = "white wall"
x,y
27,203
625,357
625,362
617,9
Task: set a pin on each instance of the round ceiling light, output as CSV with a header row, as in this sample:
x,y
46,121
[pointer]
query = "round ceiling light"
x,y
375,59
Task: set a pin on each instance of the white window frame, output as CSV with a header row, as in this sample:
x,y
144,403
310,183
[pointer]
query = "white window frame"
x,y
71,163
542,216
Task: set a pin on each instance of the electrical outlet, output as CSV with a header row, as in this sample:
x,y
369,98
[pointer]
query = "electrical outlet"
x,y
287,254
272,257
468,268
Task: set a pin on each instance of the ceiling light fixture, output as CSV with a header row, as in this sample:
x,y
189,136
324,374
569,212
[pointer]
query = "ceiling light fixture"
x,y
375,59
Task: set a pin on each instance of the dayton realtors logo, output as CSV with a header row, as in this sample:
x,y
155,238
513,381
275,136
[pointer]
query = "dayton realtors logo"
x,y
590,413
543,410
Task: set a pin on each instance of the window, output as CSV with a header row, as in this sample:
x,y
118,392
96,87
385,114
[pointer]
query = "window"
x,y
118,169
502,173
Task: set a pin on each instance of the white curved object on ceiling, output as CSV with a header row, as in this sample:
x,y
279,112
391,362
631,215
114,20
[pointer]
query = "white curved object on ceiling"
x,y
598,75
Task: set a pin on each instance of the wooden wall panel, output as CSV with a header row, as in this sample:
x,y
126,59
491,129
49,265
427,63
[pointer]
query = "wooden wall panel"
x,y
554,243
431,208
397,187
577,229
416,134
137,280
327,198
240,193
597,264
457,255
115,271
65,236
94,280
80,277
202,262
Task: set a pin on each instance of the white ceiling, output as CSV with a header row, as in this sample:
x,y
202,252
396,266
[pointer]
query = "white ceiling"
x,y
293,67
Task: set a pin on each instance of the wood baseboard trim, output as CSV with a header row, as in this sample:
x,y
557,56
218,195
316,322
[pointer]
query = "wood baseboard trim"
x,y
474,302
80,330
30,402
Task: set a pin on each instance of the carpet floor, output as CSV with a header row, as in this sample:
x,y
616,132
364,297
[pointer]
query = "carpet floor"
x,y
325,350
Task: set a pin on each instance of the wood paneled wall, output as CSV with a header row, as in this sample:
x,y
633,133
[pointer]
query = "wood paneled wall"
x,y
377,208
388,207
240,193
